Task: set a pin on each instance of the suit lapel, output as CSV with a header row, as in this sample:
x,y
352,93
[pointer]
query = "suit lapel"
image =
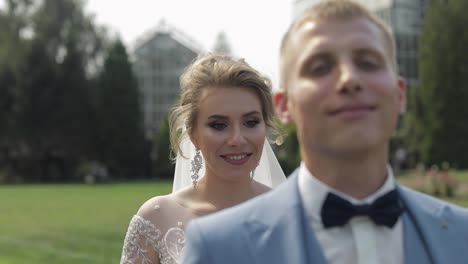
x,y
278,231
415,249
428,225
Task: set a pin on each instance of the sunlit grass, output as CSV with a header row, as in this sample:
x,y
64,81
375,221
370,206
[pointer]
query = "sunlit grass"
x,y
56,224
423,183
68,223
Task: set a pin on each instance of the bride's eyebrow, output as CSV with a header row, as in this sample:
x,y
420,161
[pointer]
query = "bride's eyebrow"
x,y
251,113
216,116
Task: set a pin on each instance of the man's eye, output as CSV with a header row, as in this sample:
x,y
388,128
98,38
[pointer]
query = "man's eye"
x,y
320,68
217,126
368,62
368,65
252,123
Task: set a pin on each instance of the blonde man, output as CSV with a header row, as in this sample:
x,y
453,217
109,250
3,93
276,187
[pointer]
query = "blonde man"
x,y
340,87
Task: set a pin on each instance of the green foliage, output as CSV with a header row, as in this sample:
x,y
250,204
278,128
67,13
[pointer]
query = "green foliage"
x,y
12,21
412,132
439,129
67,29
163,166
288,153
7,100
47,53
447,184
122,144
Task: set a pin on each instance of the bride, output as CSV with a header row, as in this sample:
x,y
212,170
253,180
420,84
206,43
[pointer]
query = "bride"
x,y
218,132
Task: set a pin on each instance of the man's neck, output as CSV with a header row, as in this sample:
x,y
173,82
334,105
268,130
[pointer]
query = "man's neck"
x,y
357,177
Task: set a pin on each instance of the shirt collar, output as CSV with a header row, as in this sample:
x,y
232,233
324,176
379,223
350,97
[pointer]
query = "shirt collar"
x,y
313,192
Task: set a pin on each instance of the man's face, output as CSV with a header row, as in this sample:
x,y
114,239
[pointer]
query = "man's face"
x,y
342,92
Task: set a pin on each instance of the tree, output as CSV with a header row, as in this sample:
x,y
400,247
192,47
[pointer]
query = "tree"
x,y
7,101
51,49
13,20
122,144
288,153
444,76
163,166
37,102
222,45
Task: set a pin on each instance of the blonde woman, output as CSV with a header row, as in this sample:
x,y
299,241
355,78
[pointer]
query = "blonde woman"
x,y
218,131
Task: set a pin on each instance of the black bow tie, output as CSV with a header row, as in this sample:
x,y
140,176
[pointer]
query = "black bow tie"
x,y
336,211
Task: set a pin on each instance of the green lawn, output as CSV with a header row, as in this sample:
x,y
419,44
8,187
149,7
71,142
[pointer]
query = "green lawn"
x,y
58,224
461,202
415,180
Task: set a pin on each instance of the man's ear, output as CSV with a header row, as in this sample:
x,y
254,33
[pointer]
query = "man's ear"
x,y
280,100
402,95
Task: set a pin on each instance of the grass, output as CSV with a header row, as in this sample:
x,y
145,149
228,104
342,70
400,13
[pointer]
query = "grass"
x,y
73,224
68,223
461,202
424,183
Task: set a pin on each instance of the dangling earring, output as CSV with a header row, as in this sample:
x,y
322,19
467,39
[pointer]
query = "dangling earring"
x,y
196,166
252,174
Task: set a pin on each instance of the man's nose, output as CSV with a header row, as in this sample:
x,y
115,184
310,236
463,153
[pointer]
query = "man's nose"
x,y
349,79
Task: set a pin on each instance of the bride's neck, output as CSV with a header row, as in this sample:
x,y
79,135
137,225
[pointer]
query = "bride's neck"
x,y
222,194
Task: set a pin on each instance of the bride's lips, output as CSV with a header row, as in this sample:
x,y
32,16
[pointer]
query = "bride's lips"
x,y
236,158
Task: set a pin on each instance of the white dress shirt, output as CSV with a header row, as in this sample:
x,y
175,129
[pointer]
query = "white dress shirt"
x,y
359,241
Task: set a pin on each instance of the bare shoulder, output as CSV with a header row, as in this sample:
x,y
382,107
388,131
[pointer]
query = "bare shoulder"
x,y
260,188
168,210
184,195
157,208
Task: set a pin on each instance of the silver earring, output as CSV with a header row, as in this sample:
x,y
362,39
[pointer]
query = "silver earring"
x,y
196,166
252,173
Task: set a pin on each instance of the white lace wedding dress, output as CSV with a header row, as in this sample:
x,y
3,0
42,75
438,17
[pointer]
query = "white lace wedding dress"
x,y
156,233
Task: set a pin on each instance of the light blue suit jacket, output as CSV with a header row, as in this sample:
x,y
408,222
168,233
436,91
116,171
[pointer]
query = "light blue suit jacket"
x,y
272,229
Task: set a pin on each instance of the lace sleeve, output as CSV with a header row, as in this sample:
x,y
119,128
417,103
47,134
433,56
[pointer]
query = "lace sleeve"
x,y
141,242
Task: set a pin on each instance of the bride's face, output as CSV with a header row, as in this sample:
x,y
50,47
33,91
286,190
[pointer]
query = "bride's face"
x,y
230,131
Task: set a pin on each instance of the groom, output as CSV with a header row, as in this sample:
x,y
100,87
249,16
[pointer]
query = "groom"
x,y
342,205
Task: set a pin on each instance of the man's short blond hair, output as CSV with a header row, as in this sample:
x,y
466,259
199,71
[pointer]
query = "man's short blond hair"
x,y
332,10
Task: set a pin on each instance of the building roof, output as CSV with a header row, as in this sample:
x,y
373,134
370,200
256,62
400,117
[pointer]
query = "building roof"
x,y
164,27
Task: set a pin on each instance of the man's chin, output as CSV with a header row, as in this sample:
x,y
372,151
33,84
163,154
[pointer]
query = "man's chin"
x,y
349,149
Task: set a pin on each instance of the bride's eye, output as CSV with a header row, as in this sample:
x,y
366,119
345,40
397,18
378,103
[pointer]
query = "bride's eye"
x,y
217,125
252,123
